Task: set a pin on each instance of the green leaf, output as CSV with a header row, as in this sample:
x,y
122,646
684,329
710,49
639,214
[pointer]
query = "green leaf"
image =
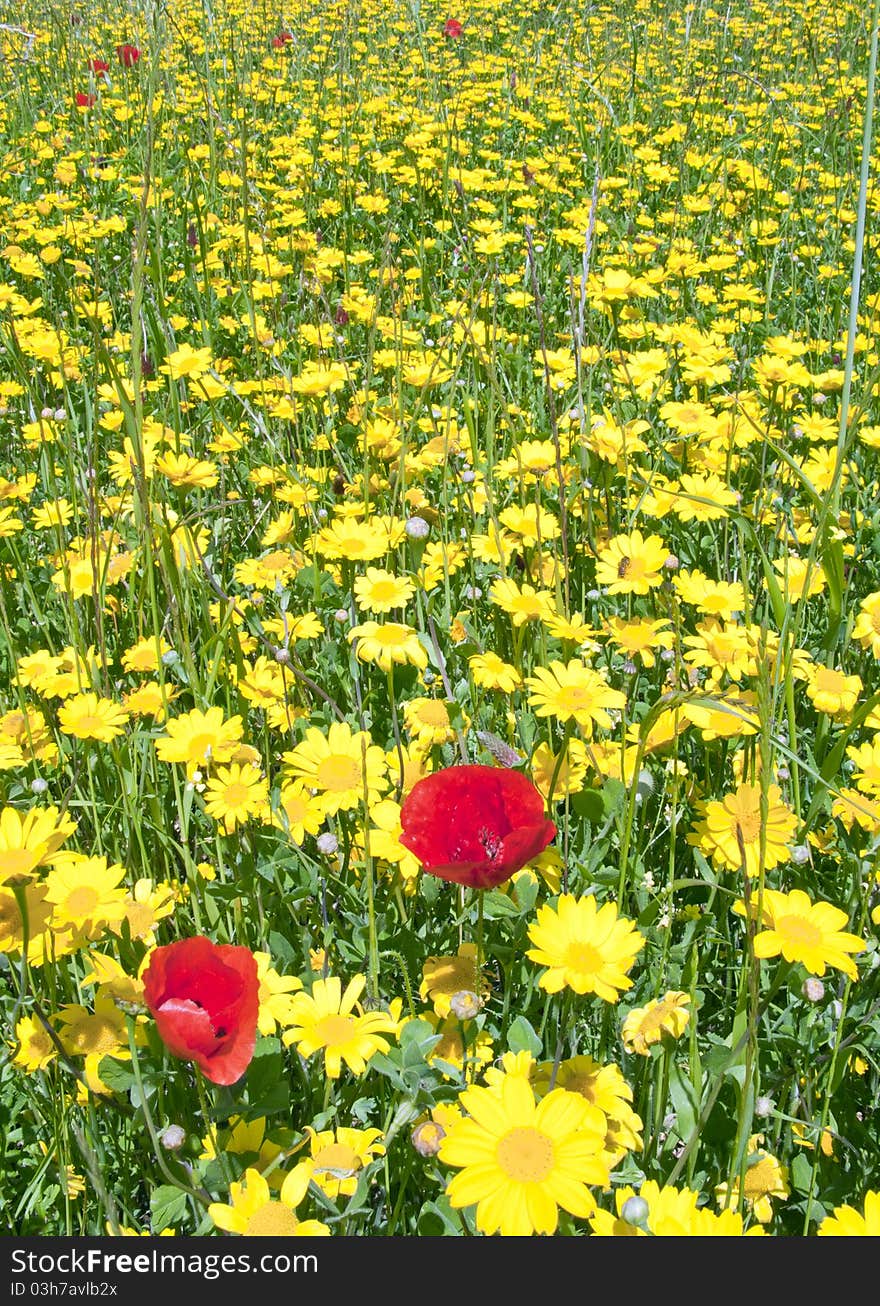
x,y
167,1207
521,1037
117,1075
497,906
687,1108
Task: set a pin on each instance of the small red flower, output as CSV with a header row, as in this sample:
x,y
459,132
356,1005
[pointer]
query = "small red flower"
x,y
84,99
203,997
452,27
281,40
475,825
99,65
128,55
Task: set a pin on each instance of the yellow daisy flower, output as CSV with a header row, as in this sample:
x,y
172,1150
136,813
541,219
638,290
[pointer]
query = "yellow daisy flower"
x,y
341,765
254,1212
586,947
388,644
520,1160
631,564
646,1025
804,931
30,840
737,816
846,1222
89,717
766,1181
334,1022
574,692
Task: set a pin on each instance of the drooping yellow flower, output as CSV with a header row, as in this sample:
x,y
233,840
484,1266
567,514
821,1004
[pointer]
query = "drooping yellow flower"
x,y
274,995
588,948
334,1022
36,1049
833,692
520,1160
867,627
646,1025
388,644
254,1212
28,841
489,671
338,1156
605,1088
443,977
766,1181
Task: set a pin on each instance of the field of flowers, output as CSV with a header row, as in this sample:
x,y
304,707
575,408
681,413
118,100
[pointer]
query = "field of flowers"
x,y
439,619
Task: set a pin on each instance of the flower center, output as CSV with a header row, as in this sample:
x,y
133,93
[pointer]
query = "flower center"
x,y
525,1155
433,714
574,696
82,901
583,1084
799,930
583,957
235,795
338,773
750,826
201,746
760,1179
89,723
94,1035
274,1220
334,1030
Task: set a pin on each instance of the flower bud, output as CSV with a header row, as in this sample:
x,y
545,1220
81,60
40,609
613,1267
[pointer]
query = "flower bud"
x,y
813,989
173,1138
635,1210
417,528
465,1004
427,1137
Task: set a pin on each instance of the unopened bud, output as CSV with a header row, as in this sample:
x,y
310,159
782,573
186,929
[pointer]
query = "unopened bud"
x,y
173,1138
813,989
465,1004
427,1137
634,1210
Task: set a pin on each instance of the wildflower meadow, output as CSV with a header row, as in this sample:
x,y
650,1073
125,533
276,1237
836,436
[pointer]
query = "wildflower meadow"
x,y
439,619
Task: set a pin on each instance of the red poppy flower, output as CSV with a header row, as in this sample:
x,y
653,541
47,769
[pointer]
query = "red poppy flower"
x,y
281,40
203,998
99,65
475,825
128,55
452,27
84,99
